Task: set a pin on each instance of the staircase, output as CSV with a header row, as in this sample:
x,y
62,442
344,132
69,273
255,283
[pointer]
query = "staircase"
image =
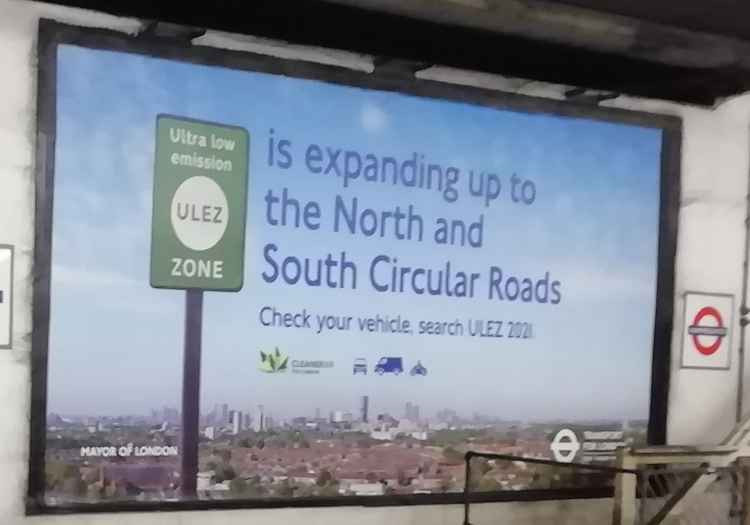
x,y
686,485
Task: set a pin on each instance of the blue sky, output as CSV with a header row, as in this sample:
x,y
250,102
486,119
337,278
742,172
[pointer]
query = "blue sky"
x,y
116,344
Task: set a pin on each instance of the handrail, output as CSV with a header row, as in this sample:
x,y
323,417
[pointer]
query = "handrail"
x,y
506,457
538,461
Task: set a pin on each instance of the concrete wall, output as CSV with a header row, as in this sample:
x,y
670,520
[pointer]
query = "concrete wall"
x,y
710,246
710,253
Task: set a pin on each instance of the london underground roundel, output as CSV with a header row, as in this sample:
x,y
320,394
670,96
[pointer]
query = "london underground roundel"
x,y
707,331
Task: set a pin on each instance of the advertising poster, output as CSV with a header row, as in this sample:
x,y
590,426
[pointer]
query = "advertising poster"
x,y
391,280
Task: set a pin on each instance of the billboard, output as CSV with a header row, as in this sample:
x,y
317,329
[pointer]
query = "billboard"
x,y
389,278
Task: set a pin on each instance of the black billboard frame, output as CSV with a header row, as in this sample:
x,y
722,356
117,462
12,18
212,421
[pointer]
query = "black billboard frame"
x,y
402,80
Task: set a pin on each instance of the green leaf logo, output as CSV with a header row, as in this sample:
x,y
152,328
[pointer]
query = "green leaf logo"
x,y
273,362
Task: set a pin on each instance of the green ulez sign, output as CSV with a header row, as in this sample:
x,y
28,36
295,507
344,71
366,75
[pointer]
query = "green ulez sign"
x,y
200,201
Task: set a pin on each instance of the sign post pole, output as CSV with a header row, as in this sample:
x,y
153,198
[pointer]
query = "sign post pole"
x,y
191,388
197,240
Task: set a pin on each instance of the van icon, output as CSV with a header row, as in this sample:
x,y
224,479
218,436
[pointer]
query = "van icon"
x,y
389,365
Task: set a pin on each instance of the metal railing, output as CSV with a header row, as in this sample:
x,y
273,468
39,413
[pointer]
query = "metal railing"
x,y
661,494
601,477
659,489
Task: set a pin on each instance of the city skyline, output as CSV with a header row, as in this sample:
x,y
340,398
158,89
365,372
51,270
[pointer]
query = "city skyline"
x,y
321,414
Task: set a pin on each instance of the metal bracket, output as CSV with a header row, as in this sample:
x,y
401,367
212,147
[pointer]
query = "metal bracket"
x,y
398,68
166,30
587,96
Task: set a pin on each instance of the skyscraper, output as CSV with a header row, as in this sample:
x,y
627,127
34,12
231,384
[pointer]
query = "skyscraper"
x,y
258,422
364,408
236,421
171,415
412,412
224,414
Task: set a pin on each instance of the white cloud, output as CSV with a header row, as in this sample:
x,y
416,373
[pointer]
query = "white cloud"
x,y
605,284
70,276
77,288
373,119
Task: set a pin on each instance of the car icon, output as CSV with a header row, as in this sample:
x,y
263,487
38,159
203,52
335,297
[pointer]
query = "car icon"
x,y
360,366
418,369
389,365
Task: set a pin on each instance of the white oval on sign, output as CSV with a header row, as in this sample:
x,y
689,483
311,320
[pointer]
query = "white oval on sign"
x,y
200,213
565,446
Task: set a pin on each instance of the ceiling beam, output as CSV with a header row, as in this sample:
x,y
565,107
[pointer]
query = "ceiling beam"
x,y
576,26
559,45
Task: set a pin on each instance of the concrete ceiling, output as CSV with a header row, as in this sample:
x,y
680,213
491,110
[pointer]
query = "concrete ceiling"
x,y
723,17
657,48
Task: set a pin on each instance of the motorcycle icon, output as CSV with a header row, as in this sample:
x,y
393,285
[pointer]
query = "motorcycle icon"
x,y
418,370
